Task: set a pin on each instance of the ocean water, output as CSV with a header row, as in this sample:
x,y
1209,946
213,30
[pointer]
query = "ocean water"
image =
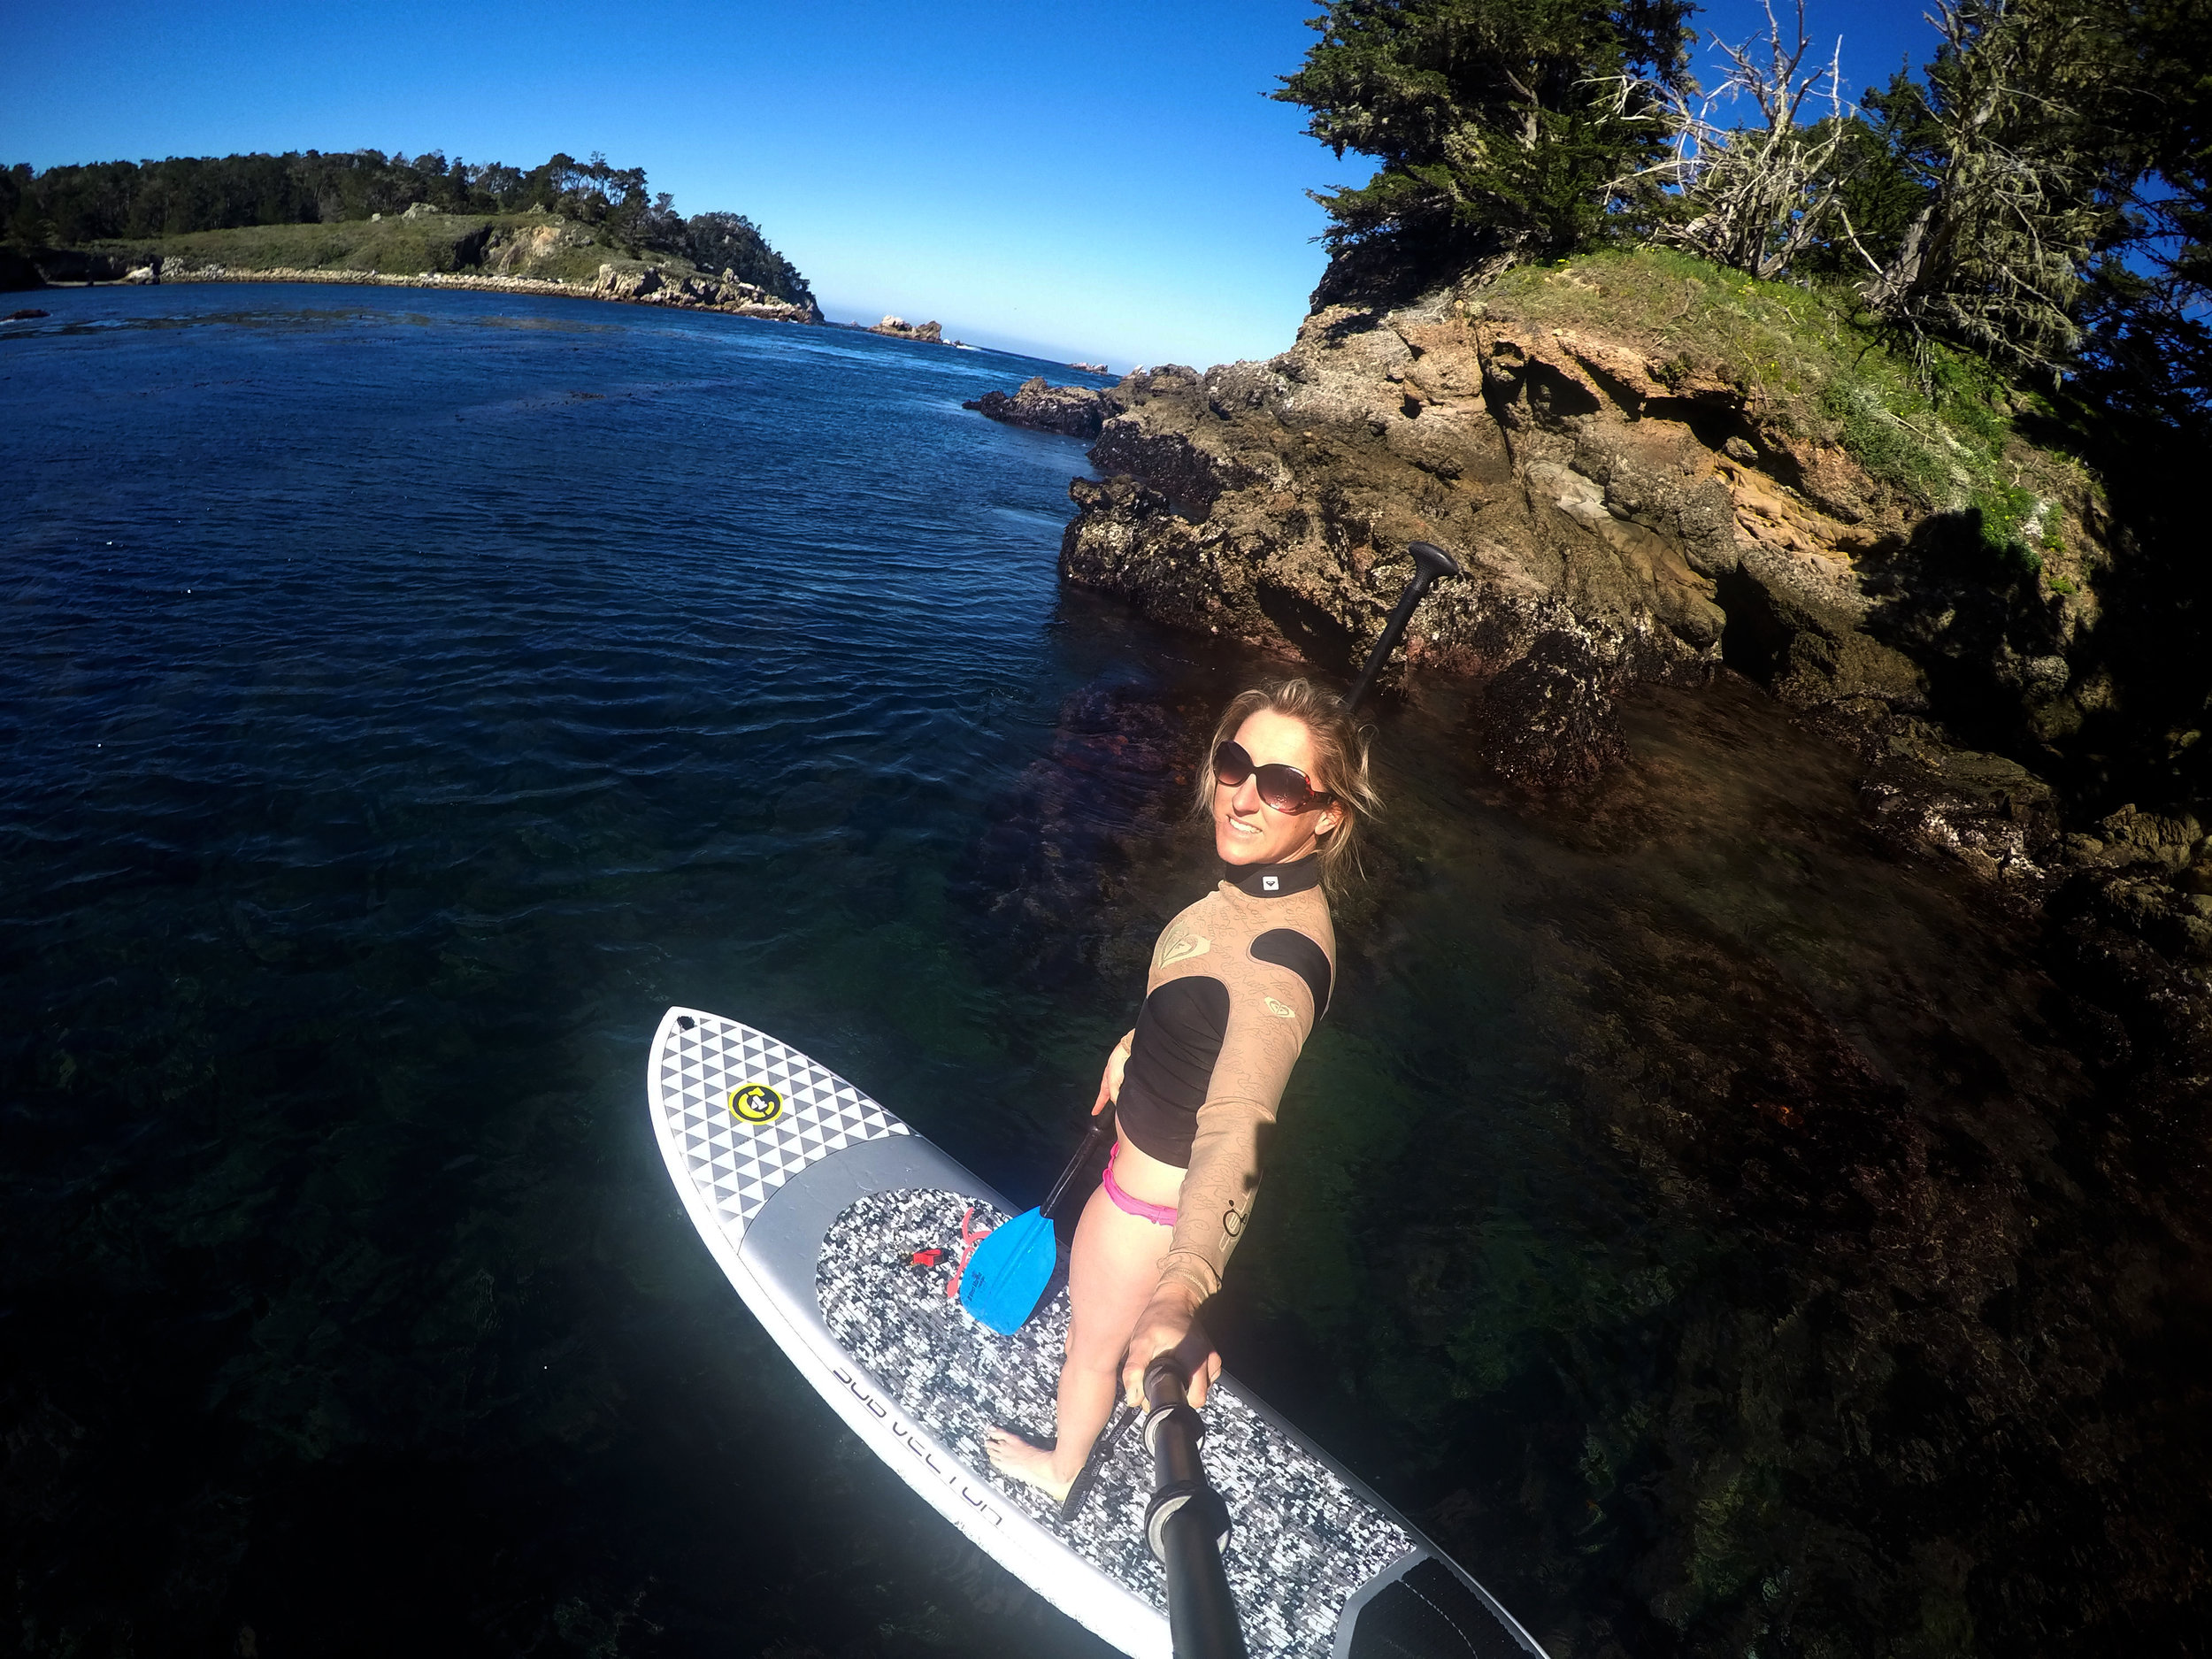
x,y
1700,1218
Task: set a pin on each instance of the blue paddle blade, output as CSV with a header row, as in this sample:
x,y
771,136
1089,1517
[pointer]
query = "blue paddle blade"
x,y
1009,1272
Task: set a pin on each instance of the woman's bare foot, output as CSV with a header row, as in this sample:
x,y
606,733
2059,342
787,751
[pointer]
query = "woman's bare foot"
x,y
1014,1458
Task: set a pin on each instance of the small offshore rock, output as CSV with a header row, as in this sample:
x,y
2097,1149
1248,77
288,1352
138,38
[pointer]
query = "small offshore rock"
x,y
899,328
1079,411
24,315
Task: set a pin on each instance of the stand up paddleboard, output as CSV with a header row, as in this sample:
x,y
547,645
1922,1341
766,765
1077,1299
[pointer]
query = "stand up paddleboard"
x,y
825,1211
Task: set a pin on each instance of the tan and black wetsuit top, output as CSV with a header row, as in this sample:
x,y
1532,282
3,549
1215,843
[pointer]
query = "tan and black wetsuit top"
x,y
1238,982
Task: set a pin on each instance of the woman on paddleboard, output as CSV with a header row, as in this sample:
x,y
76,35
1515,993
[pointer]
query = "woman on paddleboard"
x,y
1237,982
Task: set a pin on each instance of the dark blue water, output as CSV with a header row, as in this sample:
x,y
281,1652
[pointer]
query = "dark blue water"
x,y
1698,1218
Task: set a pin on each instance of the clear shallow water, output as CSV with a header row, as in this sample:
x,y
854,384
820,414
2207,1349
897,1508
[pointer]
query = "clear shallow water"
x,y
1695,1218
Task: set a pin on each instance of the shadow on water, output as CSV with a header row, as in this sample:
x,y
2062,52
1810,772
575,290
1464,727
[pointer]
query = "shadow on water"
x,y
1698,1218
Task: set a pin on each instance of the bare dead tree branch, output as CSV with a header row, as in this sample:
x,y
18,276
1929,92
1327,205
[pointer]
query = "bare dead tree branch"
x,y
1760,194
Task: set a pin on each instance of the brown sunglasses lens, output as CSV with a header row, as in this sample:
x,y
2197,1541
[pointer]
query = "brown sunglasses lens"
x,y
1283,787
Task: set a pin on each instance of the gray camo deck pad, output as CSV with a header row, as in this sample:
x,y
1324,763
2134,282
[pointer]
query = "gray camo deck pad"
x,y
1302,1540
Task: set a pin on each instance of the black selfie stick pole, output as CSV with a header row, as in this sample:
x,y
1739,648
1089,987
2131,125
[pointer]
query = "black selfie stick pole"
x,y
1187,1524
1429,563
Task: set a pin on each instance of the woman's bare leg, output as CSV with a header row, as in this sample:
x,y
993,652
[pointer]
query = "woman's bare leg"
x,y
1113,1268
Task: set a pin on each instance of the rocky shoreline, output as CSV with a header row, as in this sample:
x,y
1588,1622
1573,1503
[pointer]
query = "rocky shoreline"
x,y
645,288
629,283
533,253
1631,514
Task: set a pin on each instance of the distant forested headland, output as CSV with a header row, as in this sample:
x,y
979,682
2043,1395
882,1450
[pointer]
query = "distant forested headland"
x,y
125,204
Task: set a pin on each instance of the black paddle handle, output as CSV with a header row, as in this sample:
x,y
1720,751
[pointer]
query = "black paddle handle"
x,y
1430,562
1102,1126
1101,1448
1187,1523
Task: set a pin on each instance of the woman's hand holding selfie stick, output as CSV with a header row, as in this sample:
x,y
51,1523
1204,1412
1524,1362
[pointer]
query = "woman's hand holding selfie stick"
x,y
1186,1524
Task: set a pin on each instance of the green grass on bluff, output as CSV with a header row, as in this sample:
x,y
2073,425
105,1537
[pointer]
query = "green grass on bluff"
x,y
1810,362
543,246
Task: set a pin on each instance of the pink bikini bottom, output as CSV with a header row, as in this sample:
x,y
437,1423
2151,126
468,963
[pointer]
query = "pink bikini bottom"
x,y
1159,1215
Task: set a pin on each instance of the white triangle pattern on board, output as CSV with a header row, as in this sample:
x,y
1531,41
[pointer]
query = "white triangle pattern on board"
x,y
738,1163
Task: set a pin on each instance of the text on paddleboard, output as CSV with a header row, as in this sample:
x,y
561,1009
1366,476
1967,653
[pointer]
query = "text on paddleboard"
x,y
953,1477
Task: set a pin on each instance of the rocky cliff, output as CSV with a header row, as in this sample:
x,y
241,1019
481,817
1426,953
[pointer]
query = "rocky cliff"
x,y
1654,470
1630,505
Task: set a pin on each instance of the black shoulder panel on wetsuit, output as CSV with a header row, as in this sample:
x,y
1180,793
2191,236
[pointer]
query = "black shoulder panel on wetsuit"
x,y
1286,948
1171,1065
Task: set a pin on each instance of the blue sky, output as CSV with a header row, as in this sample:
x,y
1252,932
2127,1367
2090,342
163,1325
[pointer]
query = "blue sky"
x,y
1075,180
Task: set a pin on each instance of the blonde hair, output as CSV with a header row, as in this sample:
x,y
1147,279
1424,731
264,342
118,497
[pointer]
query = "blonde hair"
x,y
1340,746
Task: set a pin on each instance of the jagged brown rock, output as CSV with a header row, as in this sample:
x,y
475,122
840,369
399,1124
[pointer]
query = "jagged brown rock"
x,y
1637,518
1589,497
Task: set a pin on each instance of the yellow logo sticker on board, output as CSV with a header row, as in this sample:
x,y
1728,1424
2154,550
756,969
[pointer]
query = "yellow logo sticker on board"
x,y
755,1103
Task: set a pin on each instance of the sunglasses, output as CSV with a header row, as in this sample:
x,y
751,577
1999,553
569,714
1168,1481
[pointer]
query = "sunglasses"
x,y
1284,787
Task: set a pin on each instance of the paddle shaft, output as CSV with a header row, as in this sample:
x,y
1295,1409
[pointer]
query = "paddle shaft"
x,y
1429,563
1102,1126
1187,1523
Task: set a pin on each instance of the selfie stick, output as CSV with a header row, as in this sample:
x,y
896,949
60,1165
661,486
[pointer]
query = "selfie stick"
x,y
1187,1524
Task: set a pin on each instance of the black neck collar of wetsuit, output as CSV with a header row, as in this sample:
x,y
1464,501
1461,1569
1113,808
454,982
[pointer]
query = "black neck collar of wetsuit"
x,y
1274,881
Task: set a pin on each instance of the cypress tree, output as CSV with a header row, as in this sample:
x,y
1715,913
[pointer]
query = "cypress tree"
x,y
1515,127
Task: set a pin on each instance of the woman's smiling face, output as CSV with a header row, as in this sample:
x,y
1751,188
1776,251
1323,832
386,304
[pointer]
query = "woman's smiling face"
x,y
1246,830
